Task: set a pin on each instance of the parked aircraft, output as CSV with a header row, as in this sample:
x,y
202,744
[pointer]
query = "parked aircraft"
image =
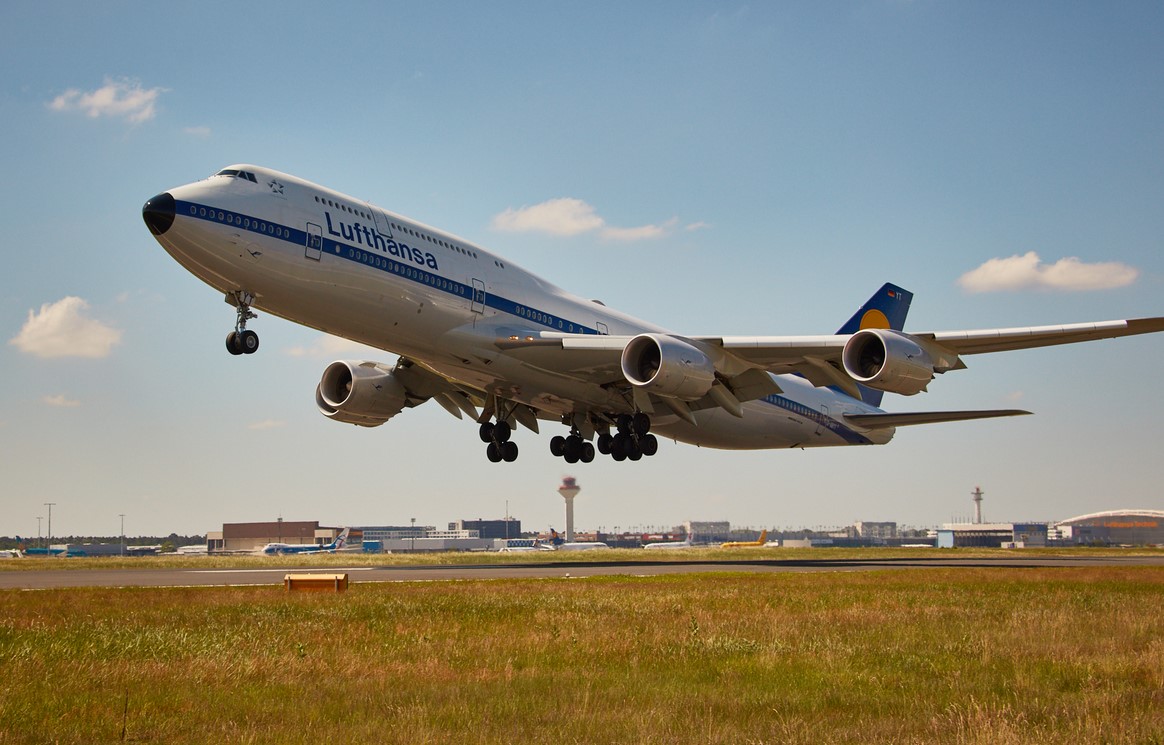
x,y
487,339
306,548
743,544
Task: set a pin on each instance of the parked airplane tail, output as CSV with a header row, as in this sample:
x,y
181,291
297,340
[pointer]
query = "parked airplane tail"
x,y
341,540
887,309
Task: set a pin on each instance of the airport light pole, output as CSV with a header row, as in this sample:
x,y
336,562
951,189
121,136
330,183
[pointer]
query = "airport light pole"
x,y
49,538
39,534
413,534
122,515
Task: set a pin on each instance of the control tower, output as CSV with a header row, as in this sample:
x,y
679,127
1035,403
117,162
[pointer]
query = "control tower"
x,y
569,489
978,494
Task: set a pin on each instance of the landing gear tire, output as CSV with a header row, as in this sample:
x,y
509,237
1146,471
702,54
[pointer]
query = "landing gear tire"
x,y
649,445
232,343
558,446
604,443
640,424
486,432
248,341
493,453
509,451
587,453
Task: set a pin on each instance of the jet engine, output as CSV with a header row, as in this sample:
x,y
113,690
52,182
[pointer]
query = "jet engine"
x,y
888,361
667,366
362,393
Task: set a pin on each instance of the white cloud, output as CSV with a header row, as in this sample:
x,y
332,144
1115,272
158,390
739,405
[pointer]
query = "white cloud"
x,y
123,98
333,347
1028,272
61,401
557,217
569,217
61,329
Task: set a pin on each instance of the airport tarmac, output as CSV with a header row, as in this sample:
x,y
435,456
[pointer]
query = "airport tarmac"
x,y
41,579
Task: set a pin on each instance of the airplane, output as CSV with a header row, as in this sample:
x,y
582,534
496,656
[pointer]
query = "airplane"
x,y
665,545
486,339
743,544
278,549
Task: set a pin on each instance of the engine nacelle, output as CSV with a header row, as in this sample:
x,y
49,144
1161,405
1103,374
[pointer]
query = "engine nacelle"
x,y
888,361
360,393
668,366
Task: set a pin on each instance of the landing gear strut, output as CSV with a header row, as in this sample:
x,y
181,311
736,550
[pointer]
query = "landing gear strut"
x,y
242,341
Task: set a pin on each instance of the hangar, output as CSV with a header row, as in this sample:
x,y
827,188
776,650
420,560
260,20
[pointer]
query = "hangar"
x,y
1116,528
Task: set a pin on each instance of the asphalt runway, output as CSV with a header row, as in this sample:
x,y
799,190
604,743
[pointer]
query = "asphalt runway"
x,y
16,579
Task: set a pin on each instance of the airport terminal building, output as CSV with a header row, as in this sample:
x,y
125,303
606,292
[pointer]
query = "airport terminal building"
x,y
1115,528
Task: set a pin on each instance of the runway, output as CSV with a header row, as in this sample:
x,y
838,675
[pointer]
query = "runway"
x,y
42,579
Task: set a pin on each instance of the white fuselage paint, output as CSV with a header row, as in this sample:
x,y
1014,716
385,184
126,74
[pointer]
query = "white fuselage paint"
x,y
235,234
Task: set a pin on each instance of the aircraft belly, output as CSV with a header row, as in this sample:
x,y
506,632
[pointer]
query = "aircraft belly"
x,y
766,426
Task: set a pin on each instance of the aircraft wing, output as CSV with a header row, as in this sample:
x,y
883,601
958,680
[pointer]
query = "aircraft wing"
x,y
1002,340
819,359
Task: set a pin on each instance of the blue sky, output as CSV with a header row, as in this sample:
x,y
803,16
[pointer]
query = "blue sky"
x,y
729,169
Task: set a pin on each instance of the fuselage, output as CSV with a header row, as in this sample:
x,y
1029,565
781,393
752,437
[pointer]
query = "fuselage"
x,y
331,262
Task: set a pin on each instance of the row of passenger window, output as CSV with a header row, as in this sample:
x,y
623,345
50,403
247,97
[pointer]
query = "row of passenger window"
x,y
246,223
406,271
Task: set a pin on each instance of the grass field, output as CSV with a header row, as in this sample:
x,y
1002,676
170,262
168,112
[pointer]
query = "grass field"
x,y
936,655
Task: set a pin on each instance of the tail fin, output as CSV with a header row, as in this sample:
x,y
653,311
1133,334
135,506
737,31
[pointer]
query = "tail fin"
x,y
887,309
341,540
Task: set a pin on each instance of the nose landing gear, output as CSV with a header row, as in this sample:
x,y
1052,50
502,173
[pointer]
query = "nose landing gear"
x,y
242,341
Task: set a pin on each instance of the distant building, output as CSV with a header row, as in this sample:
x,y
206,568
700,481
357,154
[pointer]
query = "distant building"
x,y
992,535
395,532
244,537
491,529
872,531
1115,528
709,532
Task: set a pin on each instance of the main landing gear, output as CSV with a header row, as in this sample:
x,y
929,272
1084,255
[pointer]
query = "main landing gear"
x,y
242,341
500,447
572,448
632,440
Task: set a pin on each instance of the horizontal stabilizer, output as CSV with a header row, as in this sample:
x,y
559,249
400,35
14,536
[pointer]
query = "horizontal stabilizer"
x,y
882,421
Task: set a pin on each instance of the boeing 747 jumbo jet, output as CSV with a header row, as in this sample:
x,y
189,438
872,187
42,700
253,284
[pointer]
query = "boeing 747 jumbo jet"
x,y
486,339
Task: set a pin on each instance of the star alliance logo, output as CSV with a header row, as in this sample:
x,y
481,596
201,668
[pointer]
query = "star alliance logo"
x,y
275,186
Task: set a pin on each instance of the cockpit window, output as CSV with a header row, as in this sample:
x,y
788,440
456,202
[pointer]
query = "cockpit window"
x,y
238,174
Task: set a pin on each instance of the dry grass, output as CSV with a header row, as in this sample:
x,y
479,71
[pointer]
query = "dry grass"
x,y
984,655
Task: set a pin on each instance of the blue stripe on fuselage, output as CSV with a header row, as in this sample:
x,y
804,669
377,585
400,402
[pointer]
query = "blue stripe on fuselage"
x,y
408,270
818,418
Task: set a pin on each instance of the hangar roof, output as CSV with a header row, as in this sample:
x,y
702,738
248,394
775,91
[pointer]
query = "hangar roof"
x,y
1149,514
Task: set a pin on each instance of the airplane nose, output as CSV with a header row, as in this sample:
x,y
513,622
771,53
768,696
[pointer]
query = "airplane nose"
x,y
158,213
